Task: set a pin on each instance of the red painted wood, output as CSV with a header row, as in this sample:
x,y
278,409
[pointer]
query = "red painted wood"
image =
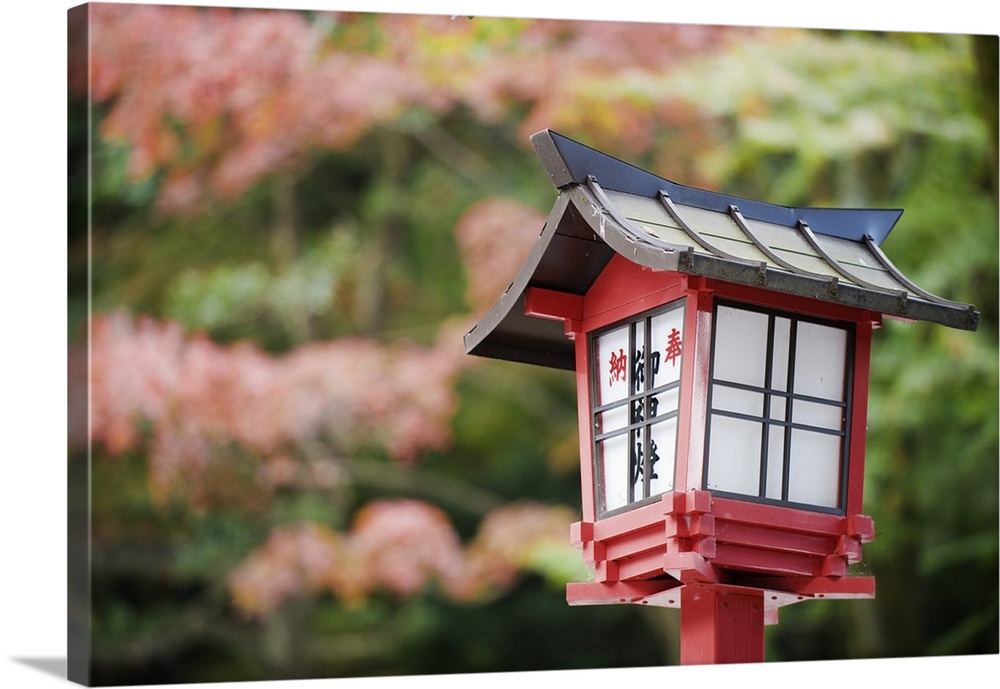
x,y
721,624
687,418
861,525
644,565
804,588
694,391
735,536
606,570
593,593
748,559
778,517
624,523
588,483
690,526
650,538
762,537
559,306
624,289
689,568
849,547
859,418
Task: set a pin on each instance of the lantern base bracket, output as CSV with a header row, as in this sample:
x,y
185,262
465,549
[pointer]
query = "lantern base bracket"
x,y
777,592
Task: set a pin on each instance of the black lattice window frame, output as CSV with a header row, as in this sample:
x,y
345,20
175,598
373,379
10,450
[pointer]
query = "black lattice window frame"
x,y
646,395
786,424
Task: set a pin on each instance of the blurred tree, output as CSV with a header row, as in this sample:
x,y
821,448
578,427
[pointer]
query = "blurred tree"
x,y
296,215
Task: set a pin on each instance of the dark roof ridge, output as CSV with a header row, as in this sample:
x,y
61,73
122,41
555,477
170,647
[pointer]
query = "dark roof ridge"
x,y
570,162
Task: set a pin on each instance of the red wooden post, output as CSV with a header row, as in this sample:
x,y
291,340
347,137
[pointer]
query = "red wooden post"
x,y
721,624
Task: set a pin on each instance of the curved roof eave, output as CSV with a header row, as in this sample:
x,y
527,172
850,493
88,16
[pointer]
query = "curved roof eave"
x,y
585,229
506,331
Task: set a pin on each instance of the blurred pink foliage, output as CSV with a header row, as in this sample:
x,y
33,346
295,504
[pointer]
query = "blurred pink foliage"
x,y
226,82
195,396
214,100
294,560
494,237
218,98
400,548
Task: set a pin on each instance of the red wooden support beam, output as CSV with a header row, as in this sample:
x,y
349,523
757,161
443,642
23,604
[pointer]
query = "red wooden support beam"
x,y
559,306
721,624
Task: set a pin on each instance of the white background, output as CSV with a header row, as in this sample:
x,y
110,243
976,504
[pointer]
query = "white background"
x,y
33,333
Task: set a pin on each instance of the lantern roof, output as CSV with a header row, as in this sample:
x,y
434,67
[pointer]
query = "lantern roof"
x,y
606,206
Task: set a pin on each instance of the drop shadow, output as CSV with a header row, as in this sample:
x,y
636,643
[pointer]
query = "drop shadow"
x,y
57,667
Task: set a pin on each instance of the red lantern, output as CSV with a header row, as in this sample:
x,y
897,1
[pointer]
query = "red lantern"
x,y
721,349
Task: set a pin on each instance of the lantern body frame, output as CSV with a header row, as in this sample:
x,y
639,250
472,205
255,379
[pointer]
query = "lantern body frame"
x,y
687,535
620,243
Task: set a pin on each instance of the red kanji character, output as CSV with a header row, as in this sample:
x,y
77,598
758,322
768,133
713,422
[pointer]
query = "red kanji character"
x,y
617,366
674,346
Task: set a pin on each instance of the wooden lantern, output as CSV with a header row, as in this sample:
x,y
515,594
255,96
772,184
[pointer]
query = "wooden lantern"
x,y
721,349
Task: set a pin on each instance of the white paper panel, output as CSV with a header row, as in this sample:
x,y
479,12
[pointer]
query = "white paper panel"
x,y
734,456
820,353
779,358
736,400
667,341
815,414
740,346
612,365
614,453
664,434
814,474
775,462
778,408
612,419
